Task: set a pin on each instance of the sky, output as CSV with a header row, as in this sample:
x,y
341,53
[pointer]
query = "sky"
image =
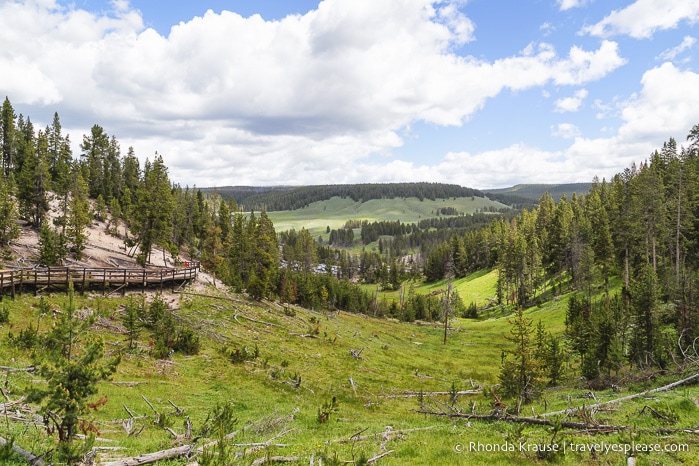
x,y
479,93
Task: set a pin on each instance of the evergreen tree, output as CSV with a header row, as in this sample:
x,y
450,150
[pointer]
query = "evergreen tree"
x,y
9,214
131,175
152,215
212,252
95,147
520,371
265,252
52,249
34,181
24,144
78,215
72,367
132,322
644,301
7,137
305,250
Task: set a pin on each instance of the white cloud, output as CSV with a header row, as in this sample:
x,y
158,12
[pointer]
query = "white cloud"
x,y
667,106
547,28
566,131
670,54
569,4
571,104
233,100
643,18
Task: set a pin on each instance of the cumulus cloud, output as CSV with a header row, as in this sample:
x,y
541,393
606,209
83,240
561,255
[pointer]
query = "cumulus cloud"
x,y
643,18
666,104
571,104
665,107
566,130
564,5
308,98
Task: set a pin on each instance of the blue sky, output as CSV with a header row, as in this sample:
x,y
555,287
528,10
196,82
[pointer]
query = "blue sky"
x,y
480,93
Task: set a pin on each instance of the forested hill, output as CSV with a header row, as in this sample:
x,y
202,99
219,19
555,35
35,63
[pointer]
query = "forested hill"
x,y
286,198
533,192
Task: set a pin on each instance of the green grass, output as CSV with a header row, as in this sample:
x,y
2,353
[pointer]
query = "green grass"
x,y
334,212
477,287
396,357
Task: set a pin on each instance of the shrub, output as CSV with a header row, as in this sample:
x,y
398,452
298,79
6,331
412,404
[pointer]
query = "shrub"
x,y
239,355
326,409
187,342
26,339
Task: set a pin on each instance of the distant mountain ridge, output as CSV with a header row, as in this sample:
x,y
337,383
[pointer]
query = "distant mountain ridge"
x,y
533,192
280,198
291,198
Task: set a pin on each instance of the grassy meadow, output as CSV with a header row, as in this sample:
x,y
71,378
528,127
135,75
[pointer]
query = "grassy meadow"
x,y
334,212
305,361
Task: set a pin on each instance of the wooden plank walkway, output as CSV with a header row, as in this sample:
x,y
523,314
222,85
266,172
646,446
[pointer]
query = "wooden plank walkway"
x,y
17,280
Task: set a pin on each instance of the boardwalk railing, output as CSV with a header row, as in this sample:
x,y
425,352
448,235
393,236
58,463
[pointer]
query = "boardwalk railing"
x,y
84,277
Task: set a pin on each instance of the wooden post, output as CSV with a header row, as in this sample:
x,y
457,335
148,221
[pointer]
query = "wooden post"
x,y
2,284
13,285
82,289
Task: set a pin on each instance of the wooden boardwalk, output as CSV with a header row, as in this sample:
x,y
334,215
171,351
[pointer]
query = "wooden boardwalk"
x,y
39,279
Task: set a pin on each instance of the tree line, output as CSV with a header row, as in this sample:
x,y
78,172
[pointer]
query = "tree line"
x,y
297,198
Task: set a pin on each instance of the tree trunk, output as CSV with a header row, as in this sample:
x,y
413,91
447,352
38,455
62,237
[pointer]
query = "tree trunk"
x,y
149,458
29,456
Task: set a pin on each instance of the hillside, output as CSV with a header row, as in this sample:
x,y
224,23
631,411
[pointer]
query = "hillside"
x,y
335,211
308,387
280,198
533,192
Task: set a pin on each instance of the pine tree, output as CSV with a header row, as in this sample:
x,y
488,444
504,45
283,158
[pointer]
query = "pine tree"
x,y
78,215
34,181
520,371
95,147
9,214
132,321
73,365
152,215
264,252
7,137
644,301
212,251
305,250
52,249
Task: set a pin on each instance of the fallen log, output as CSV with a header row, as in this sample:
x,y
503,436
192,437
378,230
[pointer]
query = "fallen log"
x,y
149,458
10,369
378,435
274,459
417,394
31,458
664,388
588,428
378,457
